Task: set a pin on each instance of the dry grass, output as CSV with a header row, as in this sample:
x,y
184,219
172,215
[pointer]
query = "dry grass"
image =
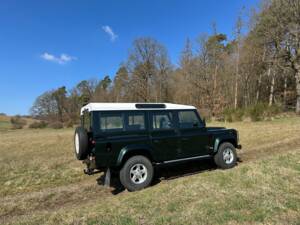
x,y
5,123
42,183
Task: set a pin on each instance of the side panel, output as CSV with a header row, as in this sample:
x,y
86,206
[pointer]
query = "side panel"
x,y
110,148
193,135
195,142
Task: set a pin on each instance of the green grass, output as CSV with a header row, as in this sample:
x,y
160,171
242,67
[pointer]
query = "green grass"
x,y
42,183
5,125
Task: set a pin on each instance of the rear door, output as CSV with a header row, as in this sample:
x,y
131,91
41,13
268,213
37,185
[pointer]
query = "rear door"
x,y
193,134
109,128
164,135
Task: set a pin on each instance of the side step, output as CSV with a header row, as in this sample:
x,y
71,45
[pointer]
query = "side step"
x,y
185,159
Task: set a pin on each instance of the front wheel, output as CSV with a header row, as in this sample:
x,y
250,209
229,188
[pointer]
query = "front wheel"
x,y
226,156
137,173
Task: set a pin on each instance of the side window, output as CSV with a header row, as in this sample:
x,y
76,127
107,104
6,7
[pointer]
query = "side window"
x,y
188,119
135,121
110,122
162,120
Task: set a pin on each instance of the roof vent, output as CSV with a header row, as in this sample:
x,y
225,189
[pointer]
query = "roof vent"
x,y
150,106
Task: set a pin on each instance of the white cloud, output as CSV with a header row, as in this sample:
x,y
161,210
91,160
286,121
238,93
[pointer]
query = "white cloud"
x,y
62,59
107,29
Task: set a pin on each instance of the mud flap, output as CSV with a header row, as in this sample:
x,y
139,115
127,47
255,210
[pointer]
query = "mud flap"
x,y
107,178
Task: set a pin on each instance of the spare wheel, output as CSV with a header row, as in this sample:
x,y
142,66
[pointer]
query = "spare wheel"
x,y
81,143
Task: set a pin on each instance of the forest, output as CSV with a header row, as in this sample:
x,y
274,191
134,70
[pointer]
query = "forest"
x,y
255,71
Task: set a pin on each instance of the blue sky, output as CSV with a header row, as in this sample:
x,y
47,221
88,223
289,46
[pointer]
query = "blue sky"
x,y
48,44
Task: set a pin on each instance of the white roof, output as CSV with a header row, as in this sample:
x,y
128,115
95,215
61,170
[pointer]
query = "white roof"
x,y
129,106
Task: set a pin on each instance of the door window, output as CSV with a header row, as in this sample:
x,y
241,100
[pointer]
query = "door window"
x,y
188,119
111,122
162,120
135,121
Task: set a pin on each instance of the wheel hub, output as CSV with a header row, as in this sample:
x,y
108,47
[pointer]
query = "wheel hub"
x,y
138,173
228,156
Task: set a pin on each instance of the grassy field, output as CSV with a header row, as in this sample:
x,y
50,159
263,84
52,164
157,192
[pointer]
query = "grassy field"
x,y
42,183
4,122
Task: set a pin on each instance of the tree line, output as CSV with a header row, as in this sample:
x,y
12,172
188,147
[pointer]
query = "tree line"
x,y
214,72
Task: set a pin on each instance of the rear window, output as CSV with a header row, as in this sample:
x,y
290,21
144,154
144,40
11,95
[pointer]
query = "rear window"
x,y
162,120
111,122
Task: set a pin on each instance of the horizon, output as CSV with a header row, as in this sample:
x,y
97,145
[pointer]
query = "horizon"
x,y
46,45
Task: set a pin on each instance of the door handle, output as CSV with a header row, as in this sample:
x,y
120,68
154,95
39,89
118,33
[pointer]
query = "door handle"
x,y
184,139
155,141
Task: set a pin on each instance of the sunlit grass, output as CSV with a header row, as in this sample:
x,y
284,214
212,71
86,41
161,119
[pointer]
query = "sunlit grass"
x,y
42,183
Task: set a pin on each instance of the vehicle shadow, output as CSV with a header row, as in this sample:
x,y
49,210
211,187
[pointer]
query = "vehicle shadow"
x,y
178,170
166,173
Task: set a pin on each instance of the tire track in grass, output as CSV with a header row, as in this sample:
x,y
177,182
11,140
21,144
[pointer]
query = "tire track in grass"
x,y
51,199
264,151
13,208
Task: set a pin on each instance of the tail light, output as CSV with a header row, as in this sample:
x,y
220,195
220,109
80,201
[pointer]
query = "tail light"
x,y
92,142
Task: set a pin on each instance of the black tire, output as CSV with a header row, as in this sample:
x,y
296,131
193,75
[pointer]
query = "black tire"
x,y
226,162
82,147
126,177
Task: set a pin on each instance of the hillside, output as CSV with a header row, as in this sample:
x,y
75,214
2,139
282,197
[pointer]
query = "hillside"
x,y
6,124
42,183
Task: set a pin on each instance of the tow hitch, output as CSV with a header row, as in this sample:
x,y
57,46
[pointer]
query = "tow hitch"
x,y
90,165
91,169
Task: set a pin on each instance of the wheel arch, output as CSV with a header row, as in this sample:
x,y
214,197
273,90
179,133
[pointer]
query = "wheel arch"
x,y
128,152
220,141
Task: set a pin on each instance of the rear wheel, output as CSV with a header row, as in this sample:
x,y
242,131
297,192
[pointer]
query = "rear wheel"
x,y
136,173
226,156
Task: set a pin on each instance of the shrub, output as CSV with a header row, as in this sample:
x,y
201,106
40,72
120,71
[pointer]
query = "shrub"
x,y
17,122
238,114
38,125
69,124
228,114
256,112
262,111
273,110
231,115
56,125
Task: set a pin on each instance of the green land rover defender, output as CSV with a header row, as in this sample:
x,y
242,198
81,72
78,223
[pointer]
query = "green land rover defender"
x,y
130,139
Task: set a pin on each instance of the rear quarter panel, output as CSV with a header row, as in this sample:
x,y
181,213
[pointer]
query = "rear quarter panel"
x,y
110,148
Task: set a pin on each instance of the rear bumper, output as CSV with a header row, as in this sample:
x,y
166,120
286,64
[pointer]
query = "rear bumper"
x,y
239,146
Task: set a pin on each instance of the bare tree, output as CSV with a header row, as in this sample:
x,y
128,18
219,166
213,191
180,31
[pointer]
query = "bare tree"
x,y
238,28
148,63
